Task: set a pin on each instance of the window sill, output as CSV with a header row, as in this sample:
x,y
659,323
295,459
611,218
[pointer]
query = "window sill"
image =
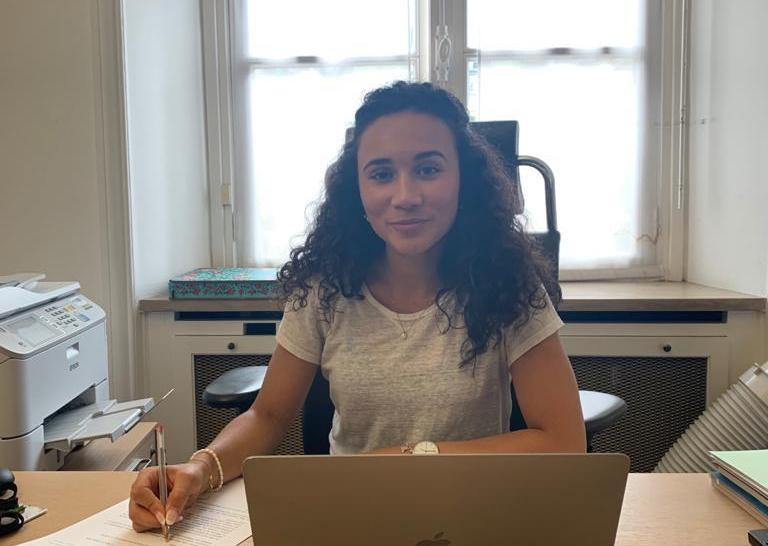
x,y
654,296
577,296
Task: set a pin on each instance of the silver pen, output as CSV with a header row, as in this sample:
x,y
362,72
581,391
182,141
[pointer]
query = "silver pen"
x,y
163,478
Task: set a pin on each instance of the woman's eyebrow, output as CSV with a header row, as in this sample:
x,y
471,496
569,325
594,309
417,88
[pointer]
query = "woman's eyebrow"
x,y
375,162
430,153
418,157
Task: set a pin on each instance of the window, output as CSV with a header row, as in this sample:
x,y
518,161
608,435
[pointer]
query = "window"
x,y
592,83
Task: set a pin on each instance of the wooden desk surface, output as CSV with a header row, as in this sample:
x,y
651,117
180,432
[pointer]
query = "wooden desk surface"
x,y
659,509
678,509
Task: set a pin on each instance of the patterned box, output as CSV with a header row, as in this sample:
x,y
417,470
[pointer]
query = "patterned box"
x,y
225,283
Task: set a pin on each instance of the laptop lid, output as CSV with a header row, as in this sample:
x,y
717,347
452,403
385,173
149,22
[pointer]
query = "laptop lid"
x,y
437,500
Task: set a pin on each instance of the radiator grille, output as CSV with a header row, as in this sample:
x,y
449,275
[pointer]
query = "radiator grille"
x,y
210,421
663,395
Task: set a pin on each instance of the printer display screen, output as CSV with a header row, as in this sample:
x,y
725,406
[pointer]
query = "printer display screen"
x,y
31,330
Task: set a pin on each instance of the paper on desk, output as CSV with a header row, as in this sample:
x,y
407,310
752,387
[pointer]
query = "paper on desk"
x,y
217,519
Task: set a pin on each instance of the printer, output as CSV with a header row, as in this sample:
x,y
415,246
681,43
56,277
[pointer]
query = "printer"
x,y
54,392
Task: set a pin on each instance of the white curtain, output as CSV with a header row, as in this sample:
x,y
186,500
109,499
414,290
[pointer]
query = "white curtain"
x,y
302,83
576,77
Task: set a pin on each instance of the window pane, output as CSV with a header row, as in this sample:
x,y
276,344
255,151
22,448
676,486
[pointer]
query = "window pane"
x,y
298,118
584,122
330,29
587,117
542,24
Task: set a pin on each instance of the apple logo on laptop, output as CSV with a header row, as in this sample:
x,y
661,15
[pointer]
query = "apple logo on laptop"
x,y
436,541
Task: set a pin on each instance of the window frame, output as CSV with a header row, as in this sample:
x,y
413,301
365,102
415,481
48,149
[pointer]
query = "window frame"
x,y
216,21
224,120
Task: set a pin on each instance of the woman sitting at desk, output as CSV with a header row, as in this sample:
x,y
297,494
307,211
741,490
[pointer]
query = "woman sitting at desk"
x,y
418,296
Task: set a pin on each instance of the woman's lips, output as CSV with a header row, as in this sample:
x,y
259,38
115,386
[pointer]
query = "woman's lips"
x,y
408,226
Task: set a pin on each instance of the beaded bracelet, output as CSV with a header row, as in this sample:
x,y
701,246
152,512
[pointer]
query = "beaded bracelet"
x,y
218,464
210,485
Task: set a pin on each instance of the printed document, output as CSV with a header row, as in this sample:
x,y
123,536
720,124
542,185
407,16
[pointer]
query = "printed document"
x,y
216,519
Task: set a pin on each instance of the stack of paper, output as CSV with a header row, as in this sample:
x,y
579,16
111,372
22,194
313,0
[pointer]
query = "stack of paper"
x,y
216,519
742,476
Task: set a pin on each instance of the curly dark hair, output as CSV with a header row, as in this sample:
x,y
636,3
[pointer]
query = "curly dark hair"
x,y
488,263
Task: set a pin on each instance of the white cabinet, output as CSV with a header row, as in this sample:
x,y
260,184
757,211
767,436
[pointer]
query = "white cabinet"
x,y
649,353
666,382
667,373
186,355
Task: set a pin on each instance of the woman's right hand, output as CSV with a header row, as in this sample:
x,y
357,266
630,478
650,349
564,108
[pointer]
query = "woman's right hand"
x,y
185,483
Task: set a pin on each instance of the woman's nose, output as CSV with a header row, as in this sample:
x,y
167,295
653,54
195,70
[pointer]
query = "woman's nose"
x,y
407,192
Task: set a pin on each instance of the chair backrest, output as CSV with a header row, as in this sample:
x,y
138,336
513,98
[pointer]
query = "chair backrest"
x,y
502,135
318,417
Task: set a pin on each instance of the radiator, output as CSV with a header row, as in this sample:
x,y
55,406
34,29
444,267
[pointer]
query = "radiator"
x,y
664,395
209,421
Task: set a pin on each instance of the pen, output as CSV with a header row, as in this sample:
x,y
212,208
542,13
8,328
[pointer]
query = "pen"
x,y
163,479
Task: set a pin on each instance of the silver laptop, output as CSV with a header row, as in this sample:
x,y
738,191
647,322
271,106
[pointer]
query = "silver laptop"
x,y
435,500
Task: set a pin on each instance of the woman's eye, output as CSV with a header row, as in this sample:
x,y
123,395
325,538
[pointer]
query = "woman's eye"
x,y
383,175
428,170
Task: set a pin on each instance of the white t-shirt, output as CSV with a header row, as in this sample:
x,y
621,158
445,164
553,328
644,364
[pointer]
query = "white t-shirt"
x,y
388,389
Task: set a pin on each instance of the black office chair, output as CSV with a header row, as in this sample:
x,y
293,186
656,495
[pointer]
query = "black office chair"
x,y
238,388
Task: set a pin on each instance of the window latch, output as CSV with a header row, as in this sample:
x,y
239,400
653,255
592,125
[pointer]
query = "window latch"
x,y
226,195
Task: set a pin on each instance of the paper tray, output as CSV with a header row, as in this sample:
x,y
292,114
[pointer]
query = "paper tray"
x,y
107,419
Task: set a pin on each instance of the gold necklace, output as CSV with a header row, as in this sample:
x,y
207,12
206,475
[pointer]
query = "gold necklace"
x,y
405,330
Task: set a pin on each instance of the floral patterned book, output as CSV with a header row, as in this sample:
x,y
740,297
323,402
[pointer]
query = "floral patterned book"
x,y
225,283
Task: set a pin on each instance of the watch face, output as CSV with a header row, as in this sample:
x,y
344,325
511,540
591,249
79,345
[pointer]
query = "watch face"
x,y
425,448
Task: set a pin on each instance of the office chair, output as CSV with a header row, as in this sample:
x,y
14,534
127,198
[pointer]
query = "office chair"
x,y
238,388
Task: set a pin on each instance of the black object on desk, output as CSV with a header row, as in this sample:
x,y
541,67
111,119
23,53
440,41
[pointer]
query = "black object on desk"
x,y
10,517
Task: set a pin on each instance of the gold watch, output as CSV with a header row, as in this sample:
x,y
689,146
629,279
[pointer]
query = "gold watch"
x,y
425,448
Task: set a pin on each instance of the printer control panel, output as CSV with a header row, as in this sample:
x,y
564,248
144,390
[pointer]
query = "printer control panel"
x,y
67,316
30,331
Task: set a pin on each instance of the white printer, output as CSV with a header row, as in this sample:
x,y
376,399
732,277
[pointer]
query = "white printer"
x,y
54,392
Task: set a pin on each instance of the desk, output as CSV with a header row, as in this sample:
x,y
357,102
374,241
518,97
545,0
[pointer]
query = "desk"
x,y
659,509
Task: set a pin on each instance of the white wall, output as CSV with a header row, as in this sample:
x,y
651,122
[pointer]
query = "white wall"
x,y
52,194
166,141
728,195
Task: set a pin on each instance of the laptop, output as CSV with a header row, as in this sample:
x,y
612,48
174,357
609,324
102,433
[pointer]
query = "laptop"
x,y
436,500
